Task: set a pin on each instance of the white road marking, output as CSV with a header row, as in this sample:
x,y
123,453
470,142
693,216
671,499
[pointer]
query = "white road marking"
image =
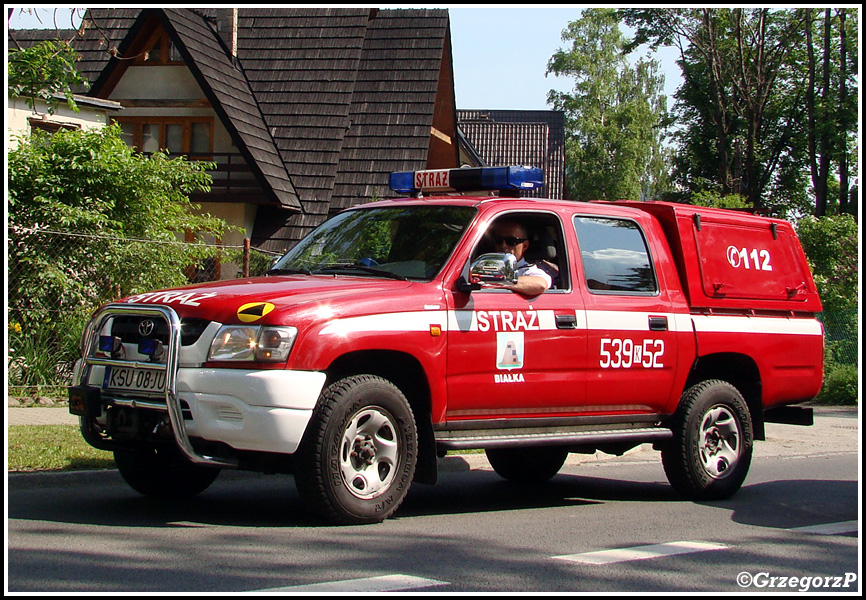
x,y
829,528
384,583
603,557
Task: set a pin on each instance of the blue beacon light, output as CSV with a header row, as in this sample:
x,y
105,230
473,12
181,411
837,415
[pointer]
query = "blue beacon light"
x,y
468,179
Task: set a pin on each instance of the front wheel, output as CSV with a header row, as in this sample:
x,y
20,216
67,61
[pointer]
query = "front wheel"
x,y
710,453
358,457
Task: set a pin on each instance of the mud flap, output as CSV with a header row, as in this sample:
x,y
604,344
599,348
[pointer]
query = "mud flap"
x,y
85,401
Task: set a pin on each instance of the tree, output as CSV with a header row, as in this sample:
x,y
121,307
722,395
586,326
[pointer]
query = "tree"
x,y
92,184
831,245
44,72
830,111
765,105
90,220
615,115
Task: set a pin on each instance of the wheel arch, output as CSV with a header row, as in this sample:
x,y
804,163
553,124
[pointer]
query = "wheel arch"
x,y
407,373
739,370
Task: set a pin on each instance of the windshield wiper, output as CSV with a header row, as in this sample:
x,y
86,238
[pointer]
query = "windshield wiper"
x,y
363,268
288,272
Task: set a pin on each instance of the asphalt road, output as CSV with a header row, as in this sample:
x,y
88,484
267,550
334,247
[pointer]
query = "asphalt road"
x,y
601,525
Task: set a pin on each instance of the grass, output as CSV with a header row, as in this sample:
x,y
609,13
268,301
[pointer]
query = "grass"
x,y
53,448
61,448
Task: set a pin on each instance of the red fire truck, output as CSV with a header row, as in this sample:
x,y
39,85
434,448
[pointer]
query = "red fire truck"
x,y
393,334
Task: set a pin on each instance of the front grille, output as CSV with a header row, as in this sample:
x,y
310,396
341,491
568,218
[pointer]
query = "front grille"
x,y
127,329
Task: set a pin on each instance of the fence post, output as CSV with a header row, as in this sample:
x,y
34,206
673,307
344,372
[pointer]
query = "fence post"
x,y
246,267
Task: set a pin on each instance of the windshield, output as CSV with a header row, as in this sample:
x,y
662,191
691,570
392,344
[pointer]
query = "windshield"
x,y
406,242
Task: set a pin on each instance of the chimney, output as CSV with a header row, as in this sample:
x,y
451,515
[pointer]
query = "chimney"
x,y
227,27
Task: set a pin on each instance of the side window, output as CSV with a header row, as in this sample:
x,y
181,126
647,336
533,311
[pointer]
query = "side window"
x,y
615,256
543,248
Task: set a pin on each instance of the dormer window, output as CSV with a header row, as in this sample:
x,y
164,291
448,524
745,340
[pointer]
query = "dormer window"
x,y
159,51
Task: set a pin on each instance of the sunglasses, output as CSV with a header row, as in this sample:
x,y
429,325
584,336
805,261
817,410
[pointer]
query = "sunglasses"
x,y
509,240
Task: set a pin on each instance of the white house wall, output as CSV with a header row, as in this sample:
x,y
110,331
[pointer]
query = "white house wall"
x,y
157,83
18,113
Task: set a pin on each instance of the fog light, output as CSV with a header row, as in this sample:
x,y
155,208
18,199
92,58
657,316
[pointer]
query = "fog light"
x,y
112,346
152,348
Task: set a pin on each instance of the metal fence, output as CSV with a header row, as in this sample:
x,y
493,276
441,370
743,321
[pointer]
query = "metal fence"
x,y
841,336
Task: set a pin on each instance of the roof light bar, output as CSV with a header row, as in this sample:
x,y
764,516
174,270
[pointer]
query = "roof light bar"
x,y
465,180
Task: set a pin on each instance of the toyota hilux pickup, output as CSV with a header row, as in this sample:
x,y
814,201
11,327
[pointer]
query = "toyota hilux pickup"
x,y
393,334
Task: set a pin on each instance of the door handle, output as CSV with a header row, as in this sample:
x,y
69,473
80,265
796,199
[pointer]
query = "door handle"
x,y
566,322
658,323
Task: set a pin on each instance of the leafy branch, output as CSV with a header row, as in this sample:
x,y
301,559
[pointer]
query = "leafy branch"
x,y
45,71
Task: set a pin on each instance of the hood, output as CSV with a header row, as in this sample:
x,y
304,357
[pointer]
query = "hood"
x,y
267,300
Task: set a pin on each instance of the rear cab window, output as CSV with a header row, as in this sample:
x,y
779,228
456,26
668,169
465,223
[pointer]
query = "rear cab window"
x,y
615,256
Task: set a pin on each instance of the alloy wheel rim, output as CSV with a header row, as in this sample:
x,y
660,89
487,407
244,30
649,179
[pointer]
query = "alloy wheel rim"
x,y
369,453
720,442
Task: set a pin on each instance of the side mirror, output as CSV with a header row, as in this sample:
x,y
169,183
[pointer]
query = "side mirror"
x,y
494,271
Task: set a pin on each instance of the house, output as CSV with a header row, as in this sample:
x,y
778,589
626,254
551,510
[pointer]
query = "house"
x,y
21,119
535,138
305,110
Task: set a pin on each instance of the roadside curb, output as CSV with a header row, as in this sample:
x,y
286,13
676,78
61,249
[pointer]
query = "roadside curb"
x,y
836,429
60,415
24,480
41,479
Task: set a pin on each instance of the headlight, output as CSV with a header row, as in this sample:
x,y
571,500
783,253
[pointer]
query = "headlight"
x,y
252,343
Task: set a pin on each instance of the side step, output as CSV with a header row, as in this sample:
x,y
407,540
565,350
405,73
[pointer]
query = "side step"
x,y
511,438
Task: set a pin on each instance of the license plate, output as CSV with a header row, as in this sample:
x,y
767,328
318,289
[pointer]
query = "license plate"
x,y
134,380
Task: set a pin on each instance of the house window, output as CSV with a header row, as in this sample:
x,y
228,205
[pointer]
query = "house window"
x,y
178,135
159,50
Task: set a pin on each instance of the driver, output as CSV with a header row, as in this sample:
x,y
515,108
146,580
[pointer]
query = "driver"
x,y
510,236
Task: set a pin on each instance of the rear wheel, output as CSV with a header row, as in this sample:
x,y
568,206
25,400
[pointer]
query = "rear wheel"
x,y
163,472
711,451
527,465
357,460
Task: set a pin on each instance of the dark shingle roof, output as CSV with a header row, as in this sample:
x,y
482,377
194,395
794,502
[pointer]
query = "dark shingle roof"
x,y
393,103
105,30
346,95
520,137
230,94
302,65
24,38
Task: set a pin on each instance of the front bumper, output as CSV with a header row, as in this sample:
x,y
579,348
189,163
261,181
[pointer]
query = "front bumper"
x,y
250,410
255,410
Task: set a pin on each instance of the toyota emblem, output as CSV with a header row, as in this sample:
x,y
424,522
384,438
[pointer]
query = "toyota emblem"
x,y
146,327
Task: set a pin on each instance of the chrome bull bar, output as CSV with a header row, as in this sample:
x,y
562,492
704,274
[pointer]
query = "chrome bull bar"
x,y
170,367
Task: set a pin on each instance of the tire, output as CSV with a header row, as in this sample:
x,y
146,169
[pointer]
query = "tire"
x,y
162,472
711,451
358,456
527,465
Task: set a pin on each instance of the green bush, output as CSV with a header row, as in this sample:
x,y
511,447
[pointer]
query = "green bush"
x,y
90,221
43,353
840,385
